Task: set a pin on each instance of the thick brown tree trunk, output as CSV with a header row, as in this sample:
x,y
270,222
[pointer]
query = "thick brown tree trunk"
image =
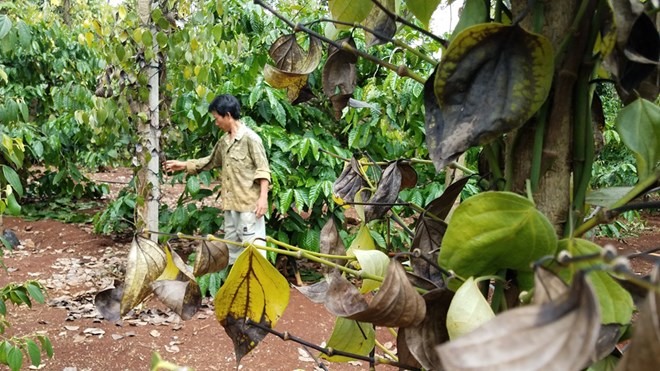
x,y
552,196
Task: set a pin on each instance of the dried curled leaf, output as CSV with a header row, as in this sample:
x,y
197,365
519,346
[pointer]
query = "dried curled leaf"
x,y
146,261
642,354
349,183
386,193
380,22
492,78
422,339
315,292
108,301
177,288
397,303
559,335
331,242
340,75
292,66
212,256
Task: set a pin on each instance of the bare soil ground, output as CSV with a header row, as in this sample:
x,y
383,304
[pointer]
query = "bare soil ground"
x,y
74,264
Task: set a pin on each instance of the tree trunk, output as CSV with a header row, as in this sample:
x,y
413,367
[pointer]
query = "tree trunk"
x,y
552,195
148,186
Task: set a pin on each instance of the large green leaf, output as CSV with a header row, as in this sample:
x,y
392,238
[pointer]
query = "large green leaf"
x,y
474,12
638,125
492,78
352,337
493,231
350,11
616,304
12,178
423,9
5,25
254,292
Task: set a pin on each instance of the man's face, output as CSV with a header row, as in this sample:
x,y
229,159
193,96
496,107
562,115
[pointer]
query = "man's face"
x,y
222,122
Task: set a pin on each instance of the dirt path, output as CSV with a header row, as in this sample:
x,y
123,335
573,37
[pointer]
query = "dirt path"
x,y
74,264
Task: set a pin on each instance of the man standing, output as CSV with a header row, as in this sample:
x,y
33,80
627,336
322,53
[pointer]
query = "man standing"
x,y
245,174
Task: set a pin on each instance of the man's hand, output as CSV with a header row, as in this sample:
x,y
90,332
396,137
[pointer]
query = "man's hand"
x,y
262,207
174,165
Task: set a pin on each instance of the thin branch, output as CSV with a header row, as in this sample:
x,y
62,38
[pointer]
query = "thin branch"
x,y
328,351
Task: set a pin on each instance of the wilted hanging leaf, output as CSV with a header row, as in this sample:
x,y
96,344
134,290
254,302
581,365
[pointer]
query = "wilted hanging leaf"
x,y
349,182
492,78
425,337
423,9
108,301
403,353
408,175
397,303
431,229
374,262
548,286
559,335
349,11
177,288
380,22
146,261
352,337
211,256
331,243
493,231
182,297
254,291
315,292
638,123
293,82
641,52
289,56
339,75
642,354
387,192
468,310
606,197
293,65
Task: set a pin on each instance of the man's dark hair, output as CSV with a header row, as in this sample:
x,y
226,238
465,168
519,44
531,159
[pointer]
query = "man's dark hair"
x,y
226,104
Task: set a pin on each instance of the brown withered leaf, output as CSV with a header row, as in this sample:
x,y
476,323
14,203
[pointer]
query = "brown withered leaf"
x,y
396,304
107,302
422,339
331,243
380,22
548,286
315,292
289,56
183,297
408,175
292,66
212,256
349,182
387,192
403,352
559,335
342,298
340,75
146,261
177,288
642,354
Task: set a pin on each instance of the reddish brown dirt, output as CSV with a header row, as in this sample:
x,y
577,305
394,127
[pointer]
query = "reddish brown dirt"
x,y
73,264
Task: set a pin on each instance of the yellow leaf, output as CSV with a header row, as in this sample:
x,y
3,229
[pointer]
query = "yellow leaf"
x,y
468,310
194,45
363,241
200,90
254,292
